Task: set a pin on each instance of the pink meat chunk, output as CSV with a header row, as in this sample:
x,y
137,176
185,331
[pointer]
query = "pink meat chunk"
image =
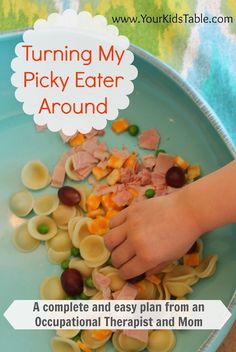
x,y
158,179
164,163
83,159
149,161
140,335
58,176
149,139
102,282
122,198
128,291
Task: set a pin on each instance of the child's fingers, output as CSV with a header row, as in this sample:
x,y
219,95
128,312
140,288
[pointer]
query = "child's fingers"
x,y
157,269
122,254
118,219
132,268
115,237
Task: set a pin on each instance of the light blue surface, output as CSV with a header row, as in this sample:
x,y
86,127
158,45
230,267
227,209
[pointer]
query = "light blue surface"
x,y
157,101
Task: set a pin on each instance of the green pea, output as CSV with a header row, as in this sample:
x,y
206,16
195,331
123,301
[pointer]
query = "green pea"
x,y
65,264
83,296
89,282
150,193
75,252
43,229
160,151
109,262
133,130
70,298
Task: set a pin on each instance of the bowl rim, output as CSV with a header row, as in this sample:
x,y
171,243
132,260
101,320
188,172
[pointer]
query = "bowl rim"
x,y
216,336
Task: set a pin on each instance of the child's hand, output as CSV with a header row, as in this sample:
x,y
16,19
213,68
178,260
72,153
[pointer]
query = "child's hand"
x,y
148,235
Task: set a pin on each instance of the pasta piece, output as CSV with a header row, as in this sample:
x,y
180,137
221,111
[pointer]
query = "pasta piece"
x,y
51,289
115,342
146,290
168,268
116,281
80,232
90,292
89,339
35,175
67,333
159,292
62,344
84,193
207,267
98,296
181,273
70,172
61,242
161,341
166,293
130,344
46,204
81,266
63,214
23,241
21,203
178,289
72,223
34,224
57,257
94,251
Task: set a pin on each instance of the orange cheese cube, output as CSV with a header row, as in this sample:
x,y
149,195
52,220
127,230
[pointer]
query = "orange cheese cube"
x,y
97,212
83,347
99,173
110,213
98,226
192,259
113,177
131,161
120,125
181,162
101,334
108,203
93,202
115,162
193,172
78,139
154,279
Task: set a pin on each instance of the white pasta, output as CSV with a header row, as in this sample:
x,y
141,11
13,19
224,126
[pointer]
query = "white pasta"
x,y
90,292
45,204
84,193
51,289
61,242
21,203
57,257
71,224
67,333
207,267
63,214
130,344
88,337
178,289
161,341
80,231
181,273
115,341
22,239
94,251
62,344
81,266
38,220
35,175
147,290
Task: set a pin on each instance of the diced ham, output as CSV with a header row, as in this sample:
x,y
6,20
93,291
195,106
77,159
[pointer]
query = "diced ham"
x,y
140,335
145,177
91,134
116,294
149,161
102,164
158,179
128,291
92,181
124,153
161,190
122,198
164,163
126,175
84,172
58,176
101,191
102,283
149,139
40,128
100,155
102,147
83,159
90,145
